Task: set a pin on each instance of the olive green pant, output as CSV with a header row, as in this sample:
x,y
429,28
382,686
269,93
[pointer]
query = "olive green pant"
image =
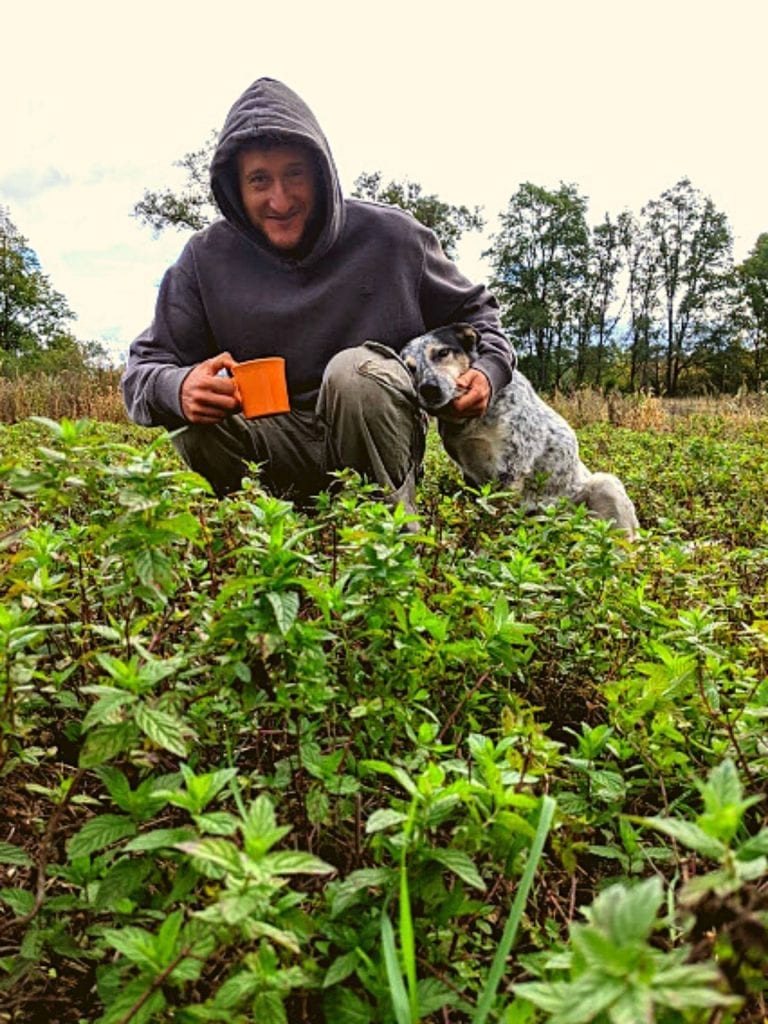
x,y
366,418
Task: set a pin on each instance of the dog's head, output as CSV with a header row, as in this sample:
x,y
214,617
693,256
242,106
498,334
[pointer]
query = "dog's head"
x,y
436,360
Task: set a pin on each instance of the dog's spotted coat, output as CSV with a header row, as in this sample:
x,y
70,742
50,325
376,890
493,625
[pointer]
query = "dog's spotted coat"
x,y
520,441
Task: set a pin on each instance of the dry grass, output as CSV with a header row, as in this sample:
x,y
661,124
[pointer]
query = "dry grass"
x,y
96,395
72,394
642,411
586,406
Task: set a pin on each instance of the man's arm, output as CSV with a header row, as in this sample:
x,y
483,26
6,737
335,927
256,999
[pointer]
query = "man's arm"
x,y
169,380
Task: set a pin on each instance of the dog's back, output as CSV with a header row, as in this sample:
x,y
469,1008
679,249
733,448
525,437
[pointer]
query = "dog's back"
x,y
540,446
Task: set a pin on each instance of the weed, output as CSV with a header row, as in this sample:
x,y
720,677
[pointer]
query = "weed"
x,y
269,763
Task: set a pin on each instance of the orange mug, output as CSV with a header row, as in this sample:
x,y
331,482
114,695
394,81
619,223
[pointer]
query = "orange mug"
x,y
261,386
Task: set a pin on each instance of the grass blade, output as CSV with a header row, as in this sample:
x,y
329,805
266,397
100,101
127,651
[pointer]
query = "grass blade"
x,y
407,942
396,987
518,906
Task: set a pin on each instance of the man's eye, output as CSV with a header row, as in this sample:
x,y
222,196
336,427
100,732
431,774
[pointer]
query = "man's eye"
x,y
260,181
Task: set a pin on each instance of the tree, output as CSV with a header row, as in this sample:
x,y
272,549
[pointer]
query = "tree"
x,y
594,301
642,283
191,209
753,278
539,259
448,222
691,242
33,315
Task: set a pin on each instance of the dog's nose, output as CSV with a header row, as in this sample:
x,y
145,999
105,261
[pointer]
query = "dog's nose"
x,y
430,394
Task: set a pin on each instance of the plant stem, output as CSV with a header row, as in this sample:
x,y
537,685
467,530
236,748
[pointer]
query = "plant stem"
x,y
157,981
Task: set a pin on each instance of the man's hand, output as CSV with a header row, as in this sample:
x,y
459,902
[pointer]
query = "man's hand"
x,y
206,397
476,397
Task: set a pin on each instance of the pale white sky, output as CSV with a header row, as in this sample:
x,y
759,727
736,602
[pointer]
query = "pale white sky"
x,y
470,99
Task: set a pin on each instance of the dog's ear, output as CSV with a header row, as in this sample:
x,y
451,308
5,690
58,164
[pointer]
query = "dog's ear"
x,y
466,335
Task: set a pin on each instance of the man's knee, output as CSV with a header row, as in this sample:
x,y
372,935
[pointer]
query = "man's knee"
x,y
191,439
203,440
365,371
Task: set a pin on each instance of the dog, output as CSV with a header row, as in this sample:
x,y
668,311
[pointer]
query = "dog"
x,y
520,442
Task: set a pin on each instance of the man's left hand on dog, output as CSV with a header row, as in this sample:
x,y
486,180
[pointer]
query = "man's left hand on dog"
x,y
476,397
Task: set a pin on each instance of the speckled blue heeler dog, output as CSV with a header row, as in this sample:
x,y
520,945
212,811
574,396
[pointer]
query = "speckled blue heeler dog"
x,y
520,442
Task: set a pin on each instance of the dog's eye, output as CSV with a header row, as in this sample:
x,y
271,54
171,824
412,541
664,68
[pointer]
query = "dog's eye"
x,y
442,353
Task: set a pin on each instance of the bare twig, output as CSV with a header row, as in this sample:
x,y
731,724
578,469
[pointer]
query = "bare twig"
x,y
157,981
43,853
453,715
724,721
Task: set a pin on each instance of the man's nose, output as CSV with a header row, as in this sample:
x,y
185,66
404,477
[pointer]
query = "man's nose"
x,y
279,199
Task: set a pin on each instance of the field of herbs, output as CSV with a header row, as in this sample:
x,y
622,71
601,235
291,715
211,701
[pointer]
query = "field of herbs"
x,y
261,763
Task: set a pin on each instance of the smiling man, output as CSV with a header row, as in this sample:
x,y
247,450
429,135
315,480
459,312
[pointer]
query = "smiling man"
x,y
335,286
277,187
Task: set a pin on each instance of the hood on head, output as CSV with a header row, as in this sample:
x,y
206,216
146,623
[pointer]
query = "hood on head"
x,y
269,108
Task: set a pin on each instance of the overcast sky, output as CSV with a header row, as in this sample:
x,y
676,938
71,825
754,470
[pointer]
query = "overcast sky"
x,y
470,99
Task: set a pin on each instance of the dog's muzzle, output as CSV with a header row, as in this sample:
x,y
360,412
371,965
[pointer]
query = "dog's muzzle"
x,y
431,396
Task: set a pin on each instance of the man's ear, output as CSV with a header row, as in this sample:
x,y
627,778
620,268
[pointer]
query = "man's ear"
x,y
467,336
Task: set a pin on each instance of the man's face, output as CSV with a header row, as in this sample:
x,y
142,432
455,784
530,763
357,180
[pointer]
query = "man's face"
x,y
277,187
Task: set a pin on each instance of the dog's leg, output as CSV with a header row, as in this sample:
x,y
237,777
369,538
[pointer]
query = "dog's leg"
x,y
477,452
605,496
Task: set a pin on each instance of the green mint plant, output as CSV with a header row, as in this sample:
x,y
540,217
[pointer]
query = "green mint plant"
x,y
718,834
724,908
612,972
250,903
127,712
21,637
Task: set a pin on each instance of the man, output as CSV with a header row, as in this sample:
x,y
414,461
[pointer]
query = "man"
x,y
334,286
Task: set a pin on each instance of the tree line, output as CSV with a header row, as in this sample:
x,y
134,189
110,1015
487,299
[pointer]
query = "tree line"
x,y
650,301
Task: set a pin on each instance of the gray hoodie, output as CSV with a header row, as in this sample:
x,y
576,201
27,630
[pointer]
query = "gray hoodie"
x,y
372,272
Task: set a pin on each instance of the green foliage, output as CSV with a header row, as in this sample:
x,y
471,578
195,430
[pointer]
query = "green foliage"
x,y
691,244
713,834
539,258
63,357
612,970
268,764
753,275
191,208
33,315
615,974
648,302
448,222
